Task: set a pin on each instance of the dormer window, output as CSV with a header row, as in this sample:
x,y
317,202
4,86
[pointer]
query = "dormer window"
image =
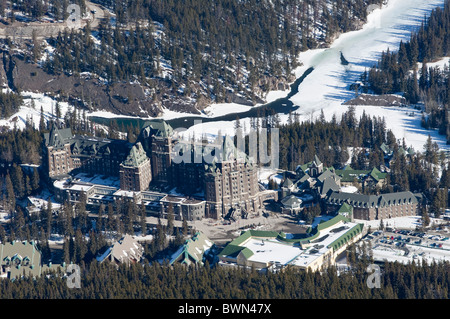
x,y
17,260
26,261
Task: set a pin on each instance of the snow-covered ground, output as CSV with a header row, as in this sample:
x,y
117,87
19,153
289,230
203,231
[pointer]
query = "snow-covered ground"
x,y
327,87
441,64
32,114
407,222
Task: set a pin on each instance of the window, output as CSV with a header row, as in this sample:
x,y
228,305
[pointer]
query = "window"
x,y
26,261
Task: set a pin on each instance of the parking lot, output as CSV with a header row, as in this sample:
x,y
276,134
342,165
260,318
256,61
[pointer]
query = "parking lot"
x,y
406,246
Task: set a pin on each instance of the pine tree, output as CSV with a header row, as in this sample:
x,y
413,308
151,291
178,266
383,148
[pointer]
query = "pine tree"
x,y
81,213
143,221
10,195
99,222
160,236
80,246
425,218
35,181
185,228
17,179
129,217
49,218
110,218
66,251
170,219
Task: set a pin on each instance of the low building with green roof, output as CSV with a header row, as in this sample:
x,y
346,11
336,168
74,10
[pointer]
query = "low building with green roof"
x,y
364,178
316,248
193,250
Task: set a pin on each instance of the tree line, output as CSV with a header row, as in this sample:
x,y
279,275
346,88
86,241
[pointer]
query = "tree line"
x,y
9,103
156,281
419,172
331,140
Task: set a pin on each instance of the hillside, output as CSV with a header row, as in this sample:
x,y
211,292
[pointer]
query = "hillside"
x,y
143,57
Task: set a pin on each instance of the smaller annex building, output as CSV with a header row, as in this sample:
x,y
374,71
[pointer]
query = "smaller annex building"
x,y
194,250
375,207
23,258
274,251
127,250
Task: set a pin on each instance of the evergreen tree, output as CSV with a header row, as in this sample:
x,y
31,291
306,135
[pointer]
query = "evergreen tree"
x,y
170,219
35,181
17,178
49,218
99,222
143,221
110,218
11,197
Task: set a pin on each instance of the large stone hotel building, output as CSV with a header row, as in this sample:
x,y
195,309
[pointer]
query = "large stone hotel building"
x,y
225,185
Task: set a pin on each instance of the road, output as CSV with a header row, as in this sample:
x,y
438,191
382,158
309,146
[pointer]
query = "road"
x,y
45,29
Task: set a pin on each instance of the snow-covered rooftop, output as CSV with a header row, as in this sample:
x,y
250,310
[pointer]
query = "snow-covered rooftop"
x,y
270,250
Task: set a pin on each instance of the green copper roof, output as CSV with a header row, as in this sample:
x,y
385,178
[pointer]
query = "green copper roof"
x,y
377,175
159,127
247,253
233,249
57,137
193,249
346,208
136,157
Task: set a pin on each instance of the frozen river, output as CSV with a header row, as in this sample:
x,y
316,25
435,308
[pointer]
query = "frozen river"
x,y
327,86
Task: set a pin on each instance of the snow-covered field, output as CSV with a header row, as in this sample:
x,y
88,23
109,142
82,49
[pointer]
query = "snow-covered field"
x,y
407,222
327,86
32,114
